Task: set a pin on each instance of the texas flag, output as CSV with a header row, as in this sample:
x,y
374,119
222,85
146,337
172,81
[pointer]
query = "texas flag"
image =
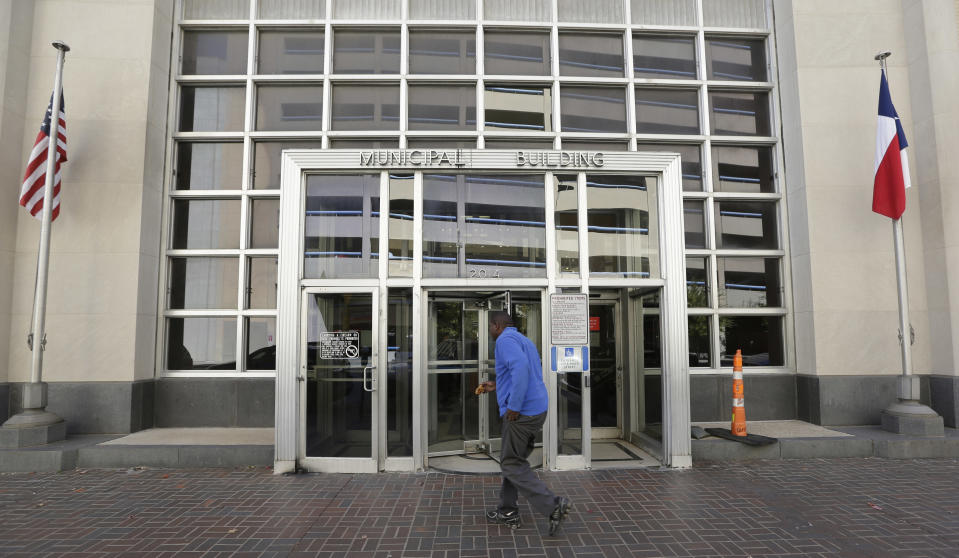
x,y
892,164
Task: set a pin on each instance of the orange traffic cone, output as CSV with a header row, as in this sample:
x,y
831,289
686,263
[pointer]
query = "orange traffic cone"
x,y
738,427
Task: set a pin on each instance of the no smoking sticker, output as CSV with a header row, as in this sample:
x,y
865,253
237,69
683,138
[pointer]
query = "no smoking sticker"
x,y
339,344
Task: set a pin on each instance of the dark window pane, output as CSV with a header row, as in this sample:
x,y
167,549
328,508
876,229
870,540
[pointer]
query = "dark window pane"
x,y
518,108
371,143
284,9
401,225
261,282
517,53
664,56
290,52
214,52
211,109
200,282
621,241
206,224
697,283
441,143
450,52
366,107
201,344
265,223
739,113
399,377
590,54
289,107
736,59
260,343
694,224
760,338
699,353
667,111
749,282
691,162
600,146
209,166
566,220
224,9
518,143
743,169
342,226
267,161
593,109
366,52
442,107
748,225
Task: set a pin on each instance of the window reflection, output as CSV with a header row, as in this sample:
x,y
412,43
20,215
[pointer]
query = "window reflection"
x,y
566,220
261,281
667,111
209,166
697,283
623,230
590,54
201,344
694,224
518,108
450,52
749,282
743,169
264,223
341,230
664,56
399,376
260,343
290,52
517,53
401,225
442,107
206,224
699,336
201,282
739,113
212,109
691,162
267,160
289,107
747,225
760,338
736,59
214,52
366,107
593,109
366,51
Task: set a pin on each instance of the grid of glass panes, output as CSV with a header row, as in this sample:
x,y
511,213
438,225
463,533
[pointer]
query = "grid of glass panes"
x,y
254,77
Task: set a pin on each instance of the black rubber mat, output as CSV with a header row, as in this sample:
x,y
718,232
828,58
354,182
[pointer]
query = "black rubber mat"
x,y
748,439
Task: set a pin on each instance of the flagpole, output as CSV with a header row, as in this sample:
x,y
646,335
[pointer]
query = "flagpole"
x,y
907,415
35,393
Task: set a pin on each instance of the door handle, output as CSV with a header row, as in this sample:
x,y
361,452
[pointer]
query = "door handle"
x,y
372,386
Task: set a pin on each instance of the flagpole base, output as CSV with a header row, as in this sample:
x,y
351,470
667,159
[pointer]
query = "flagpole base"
x,y
912,418
32,427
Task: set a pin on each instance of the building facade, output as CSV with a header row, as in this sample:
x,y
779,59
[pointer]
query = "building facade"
x,y
701,169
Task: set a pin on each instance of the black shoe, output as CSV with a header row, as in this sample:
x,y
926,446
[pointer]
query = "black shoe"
x,y
560,512
510,518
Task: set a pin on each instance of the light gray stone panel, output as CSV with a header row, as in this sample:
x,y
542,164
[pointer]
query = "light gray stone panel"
x,y
855,400
128,456
195,402
704,396
255,400
92,407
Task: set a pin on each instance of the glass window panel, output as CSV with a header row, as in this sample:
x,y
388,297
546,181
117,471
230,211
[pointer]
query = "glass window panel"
x,y
267,161
566,221
265,223
517,53
441,143
206,224
212,109
442,107
517,10
590,54
601,146
261,282
366,51
518,107
694,224
209,166
443,9
484,226
366,9
399,376
739,113
289,107
594,11
667,111
747,225
216,9
691,162
749,282
201,344
366,107
699,337
744,14
290,52
364,143
730,59
623,227
401,225
593,109
291,9
743,169
663,12
214,52
664,56
697,283
200,282
518,143
260,343
342,226
442,52
760,338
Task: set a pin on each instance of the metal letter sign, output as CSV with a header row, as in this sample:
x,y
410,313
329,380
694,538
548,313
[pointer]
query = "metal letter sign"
x,y
569,319
339,344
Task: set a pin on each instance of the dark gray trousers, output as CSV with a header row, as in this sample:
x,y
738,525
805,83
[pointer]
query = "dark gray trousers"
x,y
518,436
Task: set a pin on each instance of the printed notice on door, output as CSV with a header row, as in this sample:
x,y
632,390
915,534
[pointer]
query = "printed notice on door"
x,y
339,344
569,319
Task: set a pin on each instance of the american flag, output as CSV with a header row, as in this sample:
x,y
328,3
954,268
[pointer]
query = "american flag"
x,y
34,180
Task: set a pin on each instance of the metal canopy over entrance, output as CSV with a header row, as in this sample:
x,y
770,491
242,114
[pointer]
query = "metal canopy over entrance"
x,y
391,260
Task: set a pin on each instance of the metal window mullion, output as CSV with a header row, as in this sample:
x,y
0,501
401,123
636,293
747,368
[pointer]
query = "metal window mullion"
x,y
420,397
550,207
327,70
404,71
630,82
556,122
380,396
480,53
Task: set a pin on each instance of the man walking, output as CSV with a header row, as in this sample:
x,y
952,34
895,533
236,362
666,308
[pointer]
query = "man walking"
x,y
522,400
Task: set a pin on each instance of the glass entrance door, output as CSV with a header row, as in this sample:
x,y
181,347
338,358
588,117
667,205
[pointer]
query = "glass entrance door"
x,y
339,380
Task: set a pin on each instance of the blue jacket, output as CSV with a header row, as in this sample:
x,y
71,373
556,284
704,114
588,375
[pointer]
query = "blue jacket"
x,y
519,375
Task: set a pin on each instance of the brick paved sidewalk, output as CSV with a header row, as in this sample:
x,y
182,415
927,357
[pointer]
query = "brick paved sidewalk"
x,y
850,507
